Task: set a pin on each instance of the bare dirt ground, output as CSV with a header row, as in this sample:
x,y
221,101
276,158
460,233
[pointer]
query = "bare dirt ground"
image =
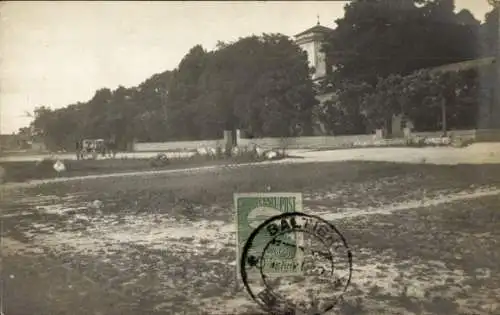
x,y
479,153
425,239
72,156
476,153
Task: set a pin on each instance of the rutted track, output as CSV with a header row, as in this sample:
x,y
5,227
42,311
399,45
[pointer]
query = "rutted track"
x,y
476,154
141,173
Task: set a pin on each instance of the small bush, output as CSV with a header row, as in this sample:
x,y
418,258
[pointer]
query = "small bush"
x,y
255,154
45,167
416,142
160,160
219,152
462,143
236,151
274,155
438,141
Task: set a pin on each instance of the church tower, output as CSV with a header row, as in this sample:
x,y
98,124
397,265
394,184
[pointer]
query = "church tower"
x,y
311,41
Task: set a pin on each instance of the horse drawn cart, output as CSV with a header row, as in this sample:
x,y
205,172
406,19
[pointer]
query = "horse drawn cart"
x,y
92,148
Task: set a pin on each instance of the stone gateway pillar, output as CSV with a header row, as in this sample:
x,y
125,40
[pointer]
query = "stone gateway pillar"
x,y
228,141
237,137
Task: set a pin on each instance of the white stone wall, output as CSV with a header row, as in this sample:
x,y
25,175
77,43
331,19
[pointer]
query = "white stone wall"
x,y
317,142
310,49
176,145
314,56
320,61
310,142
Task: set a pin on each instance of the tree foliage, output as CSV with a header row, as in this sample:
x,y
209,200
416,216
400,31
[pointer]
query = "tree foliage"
x,y
343,113
259,84
378,38
385,45
121,115
420,96
489,33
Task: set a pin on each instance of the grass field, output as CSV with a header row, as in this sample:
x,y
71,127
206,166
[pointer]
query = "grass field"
x,y
425,239
21,171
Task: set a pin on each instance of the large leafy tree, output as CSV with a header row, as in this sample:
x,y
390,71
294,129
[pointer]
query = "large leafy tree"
x,y
442,100
43,124
258,83
489,33
378,38
432,100
343,113
120,113
123,115
275,93
183,91
381,43
383,102
150,120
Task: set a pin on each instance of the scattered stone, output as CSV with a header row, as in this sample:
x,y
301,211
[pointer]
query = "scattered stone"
x,y
202,151
212,151
438,141
483,273
161,159
271,155
259,151
235,151
97,204
59,166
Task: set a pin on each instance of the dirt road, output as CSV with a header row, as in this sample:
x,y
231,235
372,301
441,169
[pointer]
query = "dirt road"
x,y
484,153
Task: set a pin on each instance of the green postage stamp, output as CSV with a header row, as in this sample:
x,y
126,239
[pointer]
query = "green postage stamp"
x,y
252,209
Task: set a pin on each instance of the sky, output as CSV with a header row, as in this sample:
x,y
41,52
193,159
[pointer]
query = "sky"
x,y
60,53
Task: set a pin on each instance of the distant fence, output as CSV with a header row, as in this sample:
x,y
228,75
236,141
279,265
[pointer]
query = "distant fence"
x,y
175,145
308,142
267,143
318,142
482,135
464,134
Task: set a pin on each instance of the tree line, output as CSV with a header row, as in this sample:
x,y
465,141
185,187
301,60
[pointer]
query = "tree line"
x,y
384,54
262,84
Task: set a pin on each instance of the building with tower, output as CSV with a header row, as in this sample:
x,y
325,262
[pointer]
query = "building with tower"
x,y
311,41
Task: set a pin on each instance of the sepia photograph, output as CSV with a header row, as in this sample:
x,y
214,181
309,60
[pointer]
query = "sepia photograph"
x,y
250,157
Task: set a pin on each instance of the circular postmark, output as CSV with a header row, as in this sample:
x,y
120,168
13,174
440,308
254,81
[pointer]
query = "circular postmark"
x,y
311,281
